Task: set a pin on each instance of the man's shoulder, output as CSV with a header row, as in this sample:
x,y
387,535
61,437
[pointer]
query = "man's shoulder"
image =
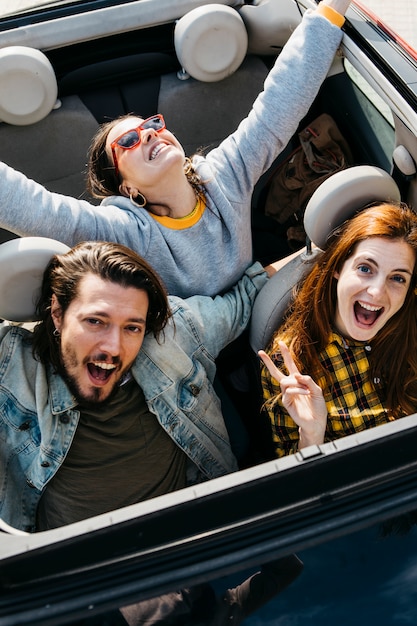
x,y
15,333
179,333
16,348
181,308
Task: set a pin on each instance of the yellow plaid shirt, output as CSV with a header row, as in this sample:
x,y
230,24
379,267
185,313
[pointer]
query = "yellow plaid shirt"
x,y
354,402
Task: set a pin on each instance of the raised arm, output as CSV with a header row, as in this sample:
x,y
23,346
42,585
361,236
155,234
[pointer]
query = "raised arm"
x,y
289,90
218,321
28,209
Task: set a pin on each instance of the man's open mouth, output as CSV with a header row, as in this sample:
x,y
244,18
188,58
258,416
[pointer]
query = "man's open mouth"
x,y
101,371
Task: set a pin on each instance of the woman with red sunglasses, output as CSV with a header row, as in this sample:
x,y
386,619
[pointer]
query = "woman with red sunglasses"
x,y
191,219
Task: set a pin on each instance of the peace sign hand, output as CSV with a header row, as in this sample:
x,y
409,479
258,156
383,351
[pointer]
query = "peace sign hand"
x,y
302,398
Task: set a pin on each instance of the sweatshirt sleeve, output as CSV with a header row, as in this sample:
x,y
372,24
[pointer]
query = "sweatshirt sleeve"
x,y
28,209
218,321
289,90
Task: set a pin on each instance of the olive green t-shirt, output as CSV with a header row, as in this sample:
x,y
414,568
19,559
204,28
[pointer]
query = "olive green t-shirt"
x,y
120,455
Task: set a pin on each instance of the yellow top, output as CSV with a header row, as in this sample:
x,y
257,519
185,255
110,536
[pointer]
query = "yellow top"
x,y
180,223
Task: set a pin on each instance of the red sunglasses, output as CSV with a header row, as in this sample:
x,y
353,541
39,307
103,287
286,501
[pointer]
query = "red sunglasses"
x,y
131,138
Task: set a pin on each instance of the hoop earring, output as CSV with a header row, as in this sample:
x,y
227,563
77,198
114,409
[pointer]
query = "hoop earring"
x,y
188,166
140,206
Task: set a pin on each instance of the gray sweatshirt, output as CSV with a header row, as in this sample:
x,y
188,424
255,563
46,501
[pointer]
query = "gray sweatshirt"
x,y
210,256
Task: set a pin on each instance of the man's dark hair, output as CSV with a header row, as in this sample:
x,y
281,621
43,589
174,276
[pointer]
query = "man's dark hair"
x,y
110,261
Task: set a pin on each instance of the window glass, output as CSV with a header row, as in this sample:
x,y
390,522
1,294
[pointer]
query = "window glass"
x,y
400,17
368,577
369,92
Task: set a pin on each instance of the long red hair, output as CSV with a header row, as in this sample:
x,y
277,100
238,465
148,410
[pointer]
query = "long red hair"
x,y
308,323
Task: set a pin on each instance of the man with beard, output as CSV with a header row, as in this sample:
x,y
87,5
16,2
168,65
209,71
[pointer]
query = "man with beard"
x,y
100,410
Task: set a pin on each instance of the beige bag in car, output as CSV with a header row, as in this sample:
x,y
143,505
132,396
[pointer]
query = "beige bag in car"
x,y
323,151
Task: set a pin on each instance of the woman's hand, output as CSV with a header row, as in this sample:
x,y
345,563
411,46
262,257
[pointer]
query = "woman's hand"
x,y
302,398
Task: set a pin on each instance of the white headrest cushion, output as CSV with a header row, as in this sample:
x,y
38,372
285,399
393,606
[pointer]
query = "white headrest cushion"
x,y
22,264
28,86
342,195
211,42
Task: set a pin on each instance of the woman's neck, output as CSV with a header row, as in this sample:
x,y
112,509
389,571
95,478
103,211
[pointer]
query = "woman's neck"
x,y
177,203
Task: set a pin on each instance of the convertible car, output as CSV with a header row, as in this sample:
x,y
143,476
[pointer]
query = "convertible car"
x,y
347,508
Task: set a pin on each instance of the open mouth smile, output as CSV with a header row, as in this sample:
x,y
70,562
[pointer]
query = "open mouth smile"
x,y
156,151
366,314
100,371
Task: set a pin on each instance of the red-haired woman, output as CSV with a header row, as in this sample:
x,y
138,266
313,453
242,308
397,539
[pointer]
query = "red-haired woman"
x,y
345,358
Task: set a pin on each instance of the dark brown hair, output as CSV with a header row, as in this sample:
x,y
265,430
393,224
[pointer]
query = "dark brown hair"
x,y
111,262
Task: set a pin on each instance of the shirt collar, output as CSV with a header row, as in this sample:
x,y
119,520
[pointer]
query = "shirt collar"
x,y
336,337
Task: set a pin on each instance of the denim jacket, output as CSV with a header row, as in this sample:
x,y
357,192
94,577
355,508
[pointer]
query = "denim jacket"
x,y
39,416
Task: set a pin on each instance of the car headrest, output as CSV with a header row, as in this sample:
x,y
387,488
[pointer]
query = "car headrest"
x,y
211,42
28,86
340,196
337,199
269,24
22,264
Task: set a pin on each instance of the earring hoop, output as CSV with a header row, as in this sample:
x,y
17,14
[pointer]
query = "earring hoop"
x,y
56,332
133,201
188,166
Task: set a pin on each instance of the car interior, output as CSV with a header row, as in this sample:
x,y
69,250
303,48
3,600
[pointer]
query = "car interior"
x,y
58,98
65,80
82,85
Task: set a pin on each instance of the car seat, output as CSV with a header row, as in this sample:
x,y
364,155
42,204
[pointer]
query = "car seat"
x,y
336,200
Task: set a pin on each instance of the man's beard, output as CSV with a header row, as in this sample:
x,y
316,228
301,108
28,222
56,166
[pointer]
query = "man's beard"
x,y
94,399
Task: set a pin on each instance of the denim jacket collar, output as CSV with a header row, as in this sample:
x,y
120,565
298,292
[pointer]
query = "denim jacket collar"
x,y
61,398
